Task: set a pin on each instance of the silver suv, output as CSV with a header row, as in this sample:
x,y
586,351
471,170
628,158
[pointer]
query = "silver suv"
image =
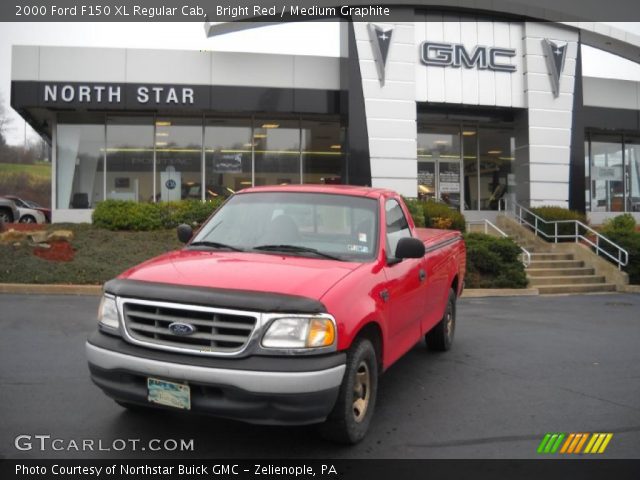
x,y
8,211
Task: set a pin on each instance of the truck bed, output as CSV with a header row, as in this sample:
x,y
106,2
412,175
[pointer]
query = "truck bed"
x,y
433,237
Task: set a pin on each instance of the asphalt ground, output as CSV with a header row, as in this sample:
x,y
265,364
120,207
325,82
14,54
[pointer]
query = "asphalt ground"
x,y
520,367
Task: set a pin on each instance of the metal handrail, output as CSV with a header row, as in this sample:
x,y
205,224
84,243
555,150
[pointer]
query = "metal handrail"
x,y
526,255
519,213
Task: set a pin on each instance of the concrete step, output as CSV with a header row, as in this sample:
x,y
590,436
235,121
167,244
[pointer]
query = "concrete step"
x,y
551,256
556,272
585,288
566,280
556,263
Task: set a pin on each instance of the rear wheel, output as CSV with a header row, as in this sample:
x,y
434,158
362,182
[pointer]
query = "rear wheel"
x,y
440,338
351,415
6,216
28,219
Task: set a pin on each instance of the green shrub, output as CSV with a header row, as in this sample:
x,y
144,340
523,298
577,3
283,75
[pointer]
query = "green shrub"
x,y
440,215
415,209
128,215
493,262
622,231
552,214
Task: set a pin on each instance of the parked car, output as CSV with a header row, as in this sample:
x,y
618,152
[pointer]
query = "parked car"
x,y
22,203
282,309
8,211
30,215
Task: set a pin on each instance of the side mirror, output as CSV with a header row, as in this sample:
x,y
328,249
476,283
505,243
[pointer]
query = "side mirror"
x,y
185,232
409,247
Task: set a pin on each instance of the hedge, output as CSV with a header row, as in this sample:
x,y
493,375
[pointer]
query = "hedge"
x,y
552,214
622,230
128,215
435,215
493,262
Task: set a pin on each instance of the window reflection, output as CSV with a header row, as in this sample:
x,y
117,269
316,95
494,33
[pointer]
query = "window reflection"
x,y
497,150
130,158
228,151
79,178
322,157
276,152
607,187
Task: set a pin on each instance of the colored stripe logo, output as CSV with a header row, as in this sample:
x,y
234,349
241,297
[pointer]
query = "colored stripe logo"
x,y
573,443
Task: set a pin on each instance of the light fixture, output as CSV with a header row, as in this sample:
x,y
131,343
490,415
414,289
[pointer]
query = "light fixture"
x,y
163,123
336,147
468,133
162,134
494,152
259,135
245,183
271,125
161,144
441,142
249,145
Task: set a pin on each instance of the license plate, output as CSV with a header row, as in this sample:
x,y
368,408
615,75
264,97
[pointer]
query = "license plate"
x,y
176,395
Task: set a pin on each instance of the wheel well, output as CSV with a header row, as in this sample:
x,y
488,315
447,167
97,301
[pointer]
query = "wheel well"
x,y
7,211
372,332
454,284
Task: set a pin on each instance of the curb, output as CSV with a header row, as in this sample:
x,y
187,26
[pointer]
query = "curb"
x,y
52,289
499,292
629,288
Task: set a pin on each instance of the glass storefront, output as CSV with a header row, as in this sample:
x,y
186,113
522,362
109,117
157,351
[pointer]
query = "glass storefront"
x,y
79,171
146,159
612,166
471,162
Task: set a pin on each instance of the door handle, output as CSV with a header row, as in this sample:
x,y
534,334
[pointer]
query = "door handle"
x,y
422,274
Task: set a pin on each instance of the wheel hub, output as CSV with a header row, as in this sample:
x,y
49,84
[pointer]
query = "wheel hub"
x,y
361,392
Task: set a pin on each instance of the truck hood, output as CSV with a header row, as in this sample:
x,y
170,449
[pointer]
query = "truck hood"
x,y
293,275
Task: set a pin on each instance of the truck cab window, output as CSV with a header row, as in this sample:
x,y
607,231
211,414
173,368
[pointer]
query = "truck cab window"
x,y
397,226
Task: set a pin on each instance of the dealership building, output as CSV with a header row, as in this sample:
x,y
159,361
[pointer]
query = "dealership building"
x,y
474,110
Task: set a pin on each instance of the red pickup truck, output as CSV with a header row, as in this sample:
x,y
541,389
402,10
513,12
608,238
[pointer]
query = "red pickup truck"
x,y
282,309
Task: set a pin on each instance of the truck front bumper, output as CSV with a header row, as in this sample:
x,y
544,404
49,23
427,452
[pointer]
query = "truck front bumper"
x,y
280,391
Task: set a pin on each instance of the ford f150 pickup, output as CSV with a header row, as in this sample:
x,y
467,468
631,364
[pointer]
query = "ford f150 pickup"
x,y
283,308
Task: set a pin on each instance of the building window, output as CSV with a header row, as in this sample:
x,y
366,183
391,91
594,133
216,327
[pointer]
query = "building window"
x,y
607,185
496,152
178,144
439,164
130,159
276,152
632,154
79,165
322,157
228,156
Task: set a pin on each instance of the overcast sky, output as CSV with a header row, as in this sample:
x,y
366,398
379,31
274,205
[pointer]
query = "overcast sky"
x,y
297,39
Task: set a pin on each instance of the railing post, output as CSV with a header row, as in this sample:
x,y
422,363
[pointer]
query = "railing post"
x,y
555,229
576,224
619,260
536,226
598,245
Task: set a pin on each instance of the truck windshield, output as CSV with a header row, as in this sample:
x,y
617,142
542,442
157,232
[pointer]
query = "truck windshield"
x,y
317,225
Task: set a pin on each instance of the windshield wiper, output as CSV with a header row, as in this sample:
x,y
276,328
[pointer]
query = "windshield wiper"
x,y
206,243
296,249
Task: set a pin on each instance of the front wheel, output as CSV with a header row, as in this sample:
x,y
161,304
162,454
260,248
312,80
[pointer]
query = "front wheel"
x,y
350,418
440,338
28,219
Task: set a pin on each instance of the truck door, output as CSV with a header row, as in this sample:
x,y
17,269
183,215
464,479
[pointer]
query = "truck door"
x,y
403,291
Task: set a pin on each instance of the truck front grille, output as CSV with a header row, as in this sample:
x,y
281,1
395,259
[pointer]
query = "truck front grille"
x,y
214,330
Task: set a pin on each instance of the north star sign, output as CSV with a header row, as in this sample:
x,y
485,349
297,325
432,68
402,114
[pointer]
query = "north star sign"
x,y
440,54
113,94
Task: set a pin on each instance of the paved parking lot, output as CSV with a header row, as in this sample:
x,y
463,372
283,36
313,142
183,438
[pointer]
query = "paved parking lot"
x,y
520,367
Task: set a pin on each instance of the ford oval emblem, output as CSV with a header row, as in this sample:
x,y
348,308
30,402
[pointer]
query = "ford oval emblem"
x,y
181,329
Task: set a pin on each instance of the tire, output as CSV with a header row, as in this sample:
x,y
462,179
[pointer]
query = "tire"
x,y
349,420
6,216
440,338
28,219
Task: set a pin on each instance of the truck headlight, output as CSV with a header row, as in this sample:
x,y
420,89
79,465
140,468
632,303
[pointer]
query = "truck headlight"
x,y
300,332
108,313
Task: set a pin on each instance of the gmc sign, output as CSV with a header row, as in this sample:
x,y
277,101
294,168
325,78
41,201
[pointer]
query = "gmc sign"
x,y
456,55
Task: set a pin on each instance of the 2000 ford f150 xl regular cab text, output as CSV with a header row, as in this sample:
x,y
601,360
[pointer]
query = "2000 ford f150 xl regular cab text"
x,y
282,309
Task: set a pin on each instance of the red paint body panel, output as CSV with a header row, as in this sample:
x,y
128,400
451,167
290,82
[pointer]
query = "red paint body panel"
x,y
350,291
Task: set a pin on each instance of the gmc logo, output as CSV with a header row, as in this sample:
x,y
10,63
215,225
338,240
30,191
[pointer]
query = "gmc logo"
x,y
455,55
